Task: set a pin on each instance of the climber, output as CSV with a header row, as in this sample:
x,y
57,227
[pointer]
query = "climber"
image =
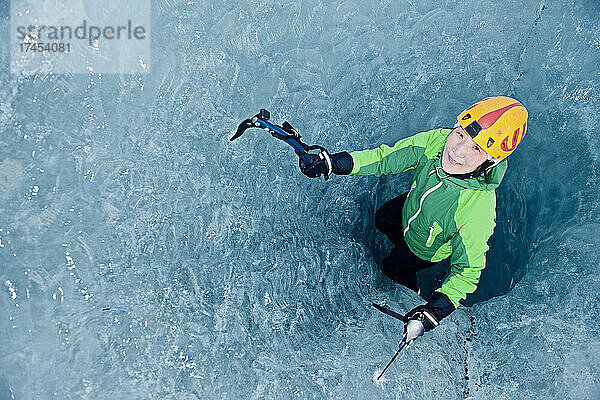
x,y
450,209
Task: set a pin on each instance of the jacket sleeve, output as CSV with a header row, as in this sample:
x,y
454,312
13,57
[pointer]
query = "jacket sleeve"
x,y
383,160
475,221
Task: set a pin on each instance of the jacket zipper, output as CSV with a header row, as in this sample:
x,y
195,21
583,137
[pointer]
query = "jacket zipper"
x,y
411,219
431,229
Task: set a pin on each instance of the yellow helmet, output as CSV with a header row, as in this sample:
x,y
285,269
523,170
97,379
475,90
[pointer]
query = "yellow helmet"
x,y
496,124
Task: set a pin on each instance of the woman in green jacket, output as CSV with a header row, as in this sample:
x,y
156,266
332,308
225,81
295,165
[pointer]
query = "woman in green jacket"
x,y
450,209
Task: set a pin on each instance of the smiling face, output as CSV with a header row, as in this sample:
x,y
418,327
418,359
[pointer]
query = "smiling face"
x,y
461,154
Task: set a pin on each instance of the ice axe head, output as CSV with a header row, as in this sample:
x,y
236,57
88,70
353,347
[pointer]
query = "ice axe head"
x,y
249,123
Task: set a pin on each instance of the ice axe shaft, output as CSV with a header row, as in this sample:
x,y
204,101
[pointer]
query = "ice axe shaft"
x,y
402,345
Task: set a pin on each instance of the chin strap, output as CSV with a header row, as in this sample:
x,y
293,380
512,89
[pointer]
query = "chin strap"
x,y
479,171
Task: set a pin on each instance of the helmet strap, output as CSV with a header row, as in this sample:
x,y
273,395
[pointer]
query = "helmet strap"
x,y
478,171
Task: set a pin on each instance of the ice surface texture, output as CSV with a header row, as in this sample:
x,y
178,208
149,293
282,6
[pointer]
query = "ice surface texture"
x,y
143,255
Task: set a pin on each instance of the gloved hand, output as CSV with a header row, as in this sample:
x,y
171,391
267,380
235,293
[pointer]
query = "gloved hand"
x,y
425,317
326,164
413,330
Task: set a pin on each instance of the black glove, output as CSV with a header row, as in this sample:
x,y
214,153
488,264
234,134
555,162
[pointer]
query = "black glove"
x,y
326,164
425,316
438,307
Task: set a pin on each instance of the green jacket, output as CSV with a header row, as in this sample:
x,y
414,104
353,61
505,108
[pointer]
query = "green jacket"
x,y
443,216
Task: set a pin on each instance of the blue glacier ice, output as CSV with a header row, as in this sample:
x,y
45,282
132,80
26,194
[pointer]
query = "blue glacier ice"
x,y
143,255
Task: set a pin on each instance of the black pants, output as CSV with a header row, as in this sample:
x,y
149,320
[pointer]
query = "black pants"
x,y
401,265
